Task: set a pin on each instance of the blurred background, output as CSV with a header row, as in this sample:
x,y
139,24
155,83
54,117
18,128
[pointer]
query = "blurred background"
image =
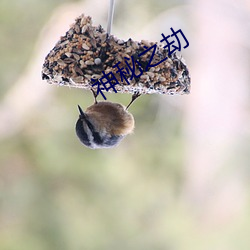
x,y
180,182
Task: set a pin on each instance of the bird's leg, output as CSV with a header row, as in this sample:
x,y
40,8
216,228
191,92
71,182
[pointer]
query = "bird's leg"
x,y
94,94
134,97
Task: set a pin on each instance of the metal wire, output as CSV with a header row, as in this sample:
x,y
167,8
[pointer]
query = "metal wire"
x,y
110,15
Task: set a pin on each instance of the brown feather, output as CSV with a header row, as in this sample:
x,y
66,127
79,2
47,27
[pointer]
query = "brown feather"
x,y
111,117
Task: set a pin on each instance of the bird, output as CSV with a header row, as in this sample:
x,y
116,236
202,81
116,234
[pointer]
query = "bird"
x,y
104,124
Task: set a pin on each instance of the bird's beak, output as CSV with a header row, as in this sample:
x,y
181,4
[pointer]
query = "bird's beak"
x,y
82,115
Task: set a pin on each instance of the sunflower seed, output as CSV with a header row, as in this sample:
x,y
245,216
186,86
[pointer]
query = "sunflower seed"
x,y
85,46
88,62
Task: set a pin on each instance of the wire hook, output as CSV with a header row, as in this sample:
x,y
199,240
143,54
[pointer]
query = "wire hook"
x,y
110,16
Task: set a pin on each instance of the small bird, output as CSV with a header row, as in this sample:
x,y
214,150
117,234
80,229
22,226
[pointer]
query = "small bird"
x,y
104,124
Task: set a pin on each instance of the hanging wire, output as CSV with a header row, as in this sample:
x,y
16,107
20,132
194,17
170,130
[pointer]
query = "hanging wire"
x,y
110,15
